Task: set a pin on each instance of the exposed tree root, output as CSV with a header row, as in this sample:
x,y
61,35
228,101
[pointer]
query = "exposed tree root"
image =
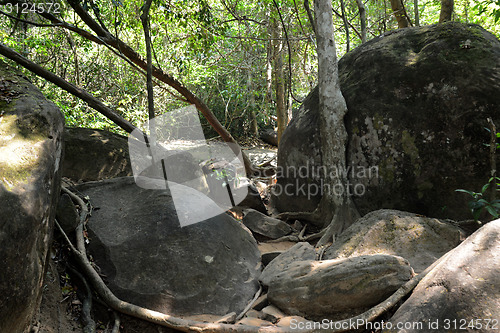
x,y
306,216
194,326
249,306
89,325
298,238
344,216
116,323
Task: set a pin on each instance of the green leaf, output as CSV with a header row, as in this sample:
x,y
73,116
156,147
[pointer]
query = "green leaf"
x,y
492,211
483,202
465,191
474,205
485,187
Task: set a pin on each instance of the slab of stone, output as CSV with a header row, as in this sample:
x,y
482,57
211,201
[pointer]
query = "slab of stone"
x,y
337,289
462,293
265,225
420,240
210,267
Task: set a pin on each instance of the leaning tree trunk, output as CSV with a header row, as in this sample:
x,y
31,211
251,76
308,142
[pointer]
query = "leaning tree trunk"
x,y
417,13
333,134
362,19
446,10
279,78
400,13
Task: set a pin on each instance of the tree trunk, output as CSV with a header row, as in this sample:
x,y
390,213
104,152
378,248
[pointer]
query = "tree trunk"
x,y
254,126
333,134
417,13
362,19
65,85
446,10
279,78
346,24
149,60
400,13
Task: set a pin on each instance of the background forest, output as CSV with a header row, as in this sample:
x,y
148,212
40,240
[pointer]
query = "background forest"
x,y
244,59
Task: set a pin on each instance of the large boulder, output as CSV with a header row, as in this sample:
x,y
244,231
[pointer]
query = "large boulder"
x,y
301,251
420,240
31,129
418,101
265,225
210,267
337,289
93,154
462,293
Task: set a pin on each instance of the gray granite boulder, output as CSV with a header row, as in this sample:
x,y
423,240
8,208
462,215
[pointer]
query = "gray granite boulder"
x,y
299,252
31,130
93,154
420,240
462,293
337,289
418,100
210,267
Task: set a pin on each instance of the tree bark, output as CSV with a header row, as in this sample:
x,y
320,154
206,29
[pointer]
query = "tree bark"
x,y
254,126
65,85
346,24
417,13
400,13
446,10
333,134
362,19
279,78
310,16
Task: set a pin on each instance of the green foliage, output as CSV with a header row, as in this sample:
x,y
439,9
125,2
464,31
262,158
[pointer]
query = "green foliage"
x,y
488,8
480,203
218,49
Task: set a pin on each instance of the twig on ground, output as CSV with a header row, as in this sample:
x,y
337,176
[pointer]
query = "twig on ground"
x,y
249,306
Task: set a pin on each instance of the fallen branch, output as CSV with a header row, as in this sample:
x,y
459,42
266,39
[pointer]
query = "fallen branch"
x,y
249,306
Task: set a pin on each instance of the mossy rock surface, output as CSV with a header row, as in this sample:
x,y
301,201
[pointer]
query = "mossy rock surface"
x,y
420,240
92,154
463,289
418,101
31,129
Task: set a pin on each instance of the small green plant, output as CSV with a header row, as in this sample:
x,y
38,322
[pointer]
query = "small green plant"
x,y
479,203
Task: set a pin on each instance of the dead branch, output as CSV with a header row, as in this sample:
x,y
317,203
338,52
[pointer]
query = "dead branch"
x,y
249,306
493,163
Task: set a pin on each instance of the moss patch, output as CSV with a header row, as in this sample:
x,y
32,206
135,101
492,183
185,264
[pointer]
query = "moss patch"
x,y
19,152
